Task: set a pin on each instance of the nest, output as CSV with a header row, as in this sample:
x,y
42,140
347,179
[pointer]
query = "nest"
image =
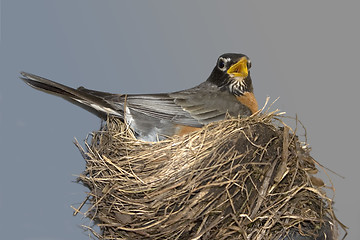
x,y
247,178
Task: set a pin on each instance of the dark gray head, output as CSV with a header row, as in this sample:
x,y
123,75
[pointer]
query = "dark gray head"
x,y
232,72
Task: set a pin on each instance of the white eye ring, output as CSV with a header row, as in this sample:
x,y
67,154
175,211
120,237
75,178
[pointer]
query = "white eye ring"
x,y
222,62
248,64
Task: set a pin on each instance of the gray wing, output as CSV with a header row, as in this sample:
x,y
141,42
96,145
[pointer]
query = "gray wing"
x,y
192,107
208,103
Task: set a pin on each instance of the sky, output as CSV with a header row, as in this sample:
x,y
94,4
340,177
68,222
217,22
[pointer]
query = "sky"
x,y
305,52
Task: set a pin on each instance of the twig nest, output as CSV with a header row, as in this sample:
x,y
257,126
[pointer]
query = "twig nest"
x,y
235,179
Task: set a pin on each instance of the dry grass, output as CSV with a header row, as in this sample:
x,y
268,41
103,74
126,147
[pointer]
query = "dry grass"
x,y
247,178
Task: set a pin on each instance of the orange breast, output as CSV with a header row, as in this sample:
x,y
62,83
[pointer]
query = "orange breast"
x,y
249,100
182,129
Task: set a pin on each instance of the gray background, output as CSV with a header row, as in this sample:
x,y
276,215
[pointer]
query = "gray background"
x,y
306,52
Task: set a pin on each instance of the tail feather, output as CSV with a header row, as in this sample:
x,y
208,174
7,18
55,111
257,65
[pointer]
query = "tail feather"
x,y
87,99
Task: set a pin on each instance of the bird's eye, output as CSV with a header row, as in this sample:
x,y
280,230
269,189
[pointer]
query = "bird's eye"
x,y
248,64
222,64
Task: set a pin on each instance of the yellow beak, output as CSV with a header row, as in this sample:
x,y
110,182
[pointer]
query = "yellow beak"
x,y
239,69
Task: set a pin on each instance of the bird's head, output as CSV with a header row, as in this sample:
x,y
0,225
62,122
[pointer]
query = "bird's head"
x,y
232,72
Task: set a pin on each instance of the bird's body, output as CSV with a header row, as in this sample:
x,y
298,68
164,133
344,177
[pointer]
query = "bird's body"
x,y
154,117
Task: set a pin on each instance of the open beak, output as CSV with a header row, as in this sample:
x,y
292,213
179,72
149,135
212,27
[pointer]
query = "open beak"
x,y
239,69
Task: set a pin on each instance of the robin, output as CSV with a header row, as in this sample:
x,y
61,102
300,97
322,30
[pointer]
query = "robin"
x,y
154,117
